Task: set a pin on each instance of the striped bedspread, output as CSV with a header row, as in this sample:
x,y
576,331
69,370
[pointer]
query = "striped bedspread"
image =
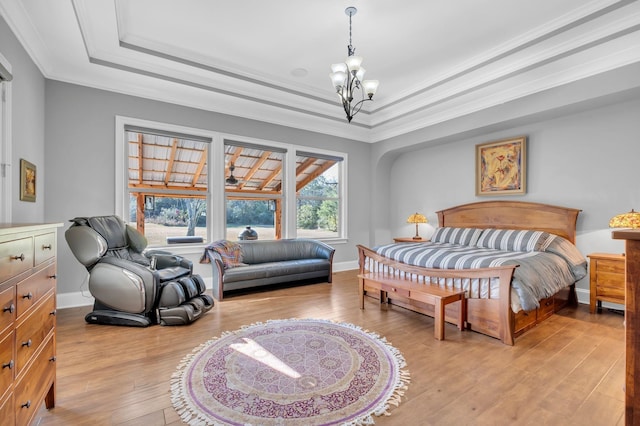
x,y
540,273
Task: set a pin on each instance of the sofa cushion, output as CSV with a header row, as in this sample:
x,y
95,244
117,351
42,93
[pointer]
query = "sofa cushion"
x,y
264,251
274,269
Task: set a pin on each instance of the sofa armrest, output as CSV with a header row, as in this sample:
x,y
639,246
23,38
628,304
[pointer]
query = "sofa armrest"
x,y
324,251
217,275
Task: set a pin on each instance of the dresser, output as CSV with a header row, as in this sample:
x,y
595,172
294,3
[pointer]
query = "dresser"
x,y
27,320
606,279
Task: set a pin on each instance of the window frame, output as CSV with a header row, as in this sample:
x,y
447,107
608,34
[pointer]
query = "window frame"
x,y
216,194
6,172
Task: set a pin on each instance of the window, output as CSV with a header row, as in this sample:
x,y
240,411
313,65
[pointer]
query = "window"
x,y
318,196
181,185
254,191
167,185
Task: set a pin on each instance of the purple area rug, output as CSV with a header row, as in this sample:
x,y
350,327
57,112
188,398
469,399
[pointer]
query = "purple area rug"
x,y
290,372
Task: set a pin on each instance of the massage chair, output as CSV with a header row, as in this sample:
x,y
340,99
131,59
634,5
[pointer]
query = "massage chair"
x,y
132,286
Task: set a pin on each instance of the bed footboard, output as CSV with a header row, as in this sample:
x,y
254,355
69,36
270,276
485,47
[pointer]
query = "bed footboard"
x,y
489,314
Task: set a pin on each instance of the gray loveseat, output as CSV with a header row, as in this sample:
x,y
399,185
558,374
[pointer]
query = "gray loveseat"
x,y
272,262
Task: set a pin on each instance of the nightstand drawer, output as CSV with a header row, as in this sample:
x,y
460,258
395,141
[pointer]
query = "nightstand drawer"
x,y
606,279
610,291
609,266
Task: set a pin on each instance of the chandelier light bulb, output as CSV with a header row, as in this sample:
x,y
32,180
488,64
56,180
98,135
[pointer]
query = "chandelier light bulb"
x,y
340,67
353,63
338,79
370,87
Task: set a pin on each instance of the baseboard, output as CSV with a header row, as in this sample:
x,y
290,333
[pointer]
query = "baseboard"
x,y
584,298
84,298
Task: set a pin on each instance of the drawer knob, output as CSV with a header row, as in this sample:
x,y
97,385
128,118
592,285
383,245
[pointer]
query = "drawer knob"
x,y
53,277
27,343
26,404
20,258
53,359
47,247
28,296
53,313
11,308
8,365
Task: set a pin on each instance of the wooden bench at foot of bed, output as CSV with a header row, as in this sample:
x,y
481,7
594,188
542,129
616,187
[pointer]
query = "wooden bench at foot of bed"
x,y
431,294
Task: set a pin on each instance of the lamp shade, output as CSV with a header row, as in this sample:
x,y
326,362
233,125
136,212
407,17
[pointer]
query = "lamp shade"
x,y
417,218
626,220
370,87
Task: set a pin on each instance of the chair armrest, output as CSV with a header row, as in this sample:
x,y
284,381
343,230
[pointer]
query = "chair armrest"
x,y
164,259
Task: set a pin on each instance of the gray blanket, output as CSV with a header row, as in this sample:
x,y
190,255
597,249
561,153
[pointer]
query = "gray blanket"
x,y
540,273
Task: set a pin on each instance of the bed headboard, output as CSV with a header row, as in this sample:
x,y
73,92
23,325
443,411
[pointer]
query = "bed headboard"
x,y
513,215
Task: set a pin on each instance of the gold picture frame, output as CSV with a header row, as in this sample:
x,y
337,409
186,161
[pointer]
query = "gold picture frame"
x,y
501,167
27,181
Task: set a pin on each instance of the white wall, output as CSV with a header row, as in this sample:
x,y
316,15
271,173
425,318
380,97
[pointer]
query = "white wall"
x,y
587,160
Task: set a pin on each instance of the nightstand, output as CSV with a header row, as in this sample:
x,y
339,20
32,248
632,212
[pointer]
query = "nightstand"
x,y
606,279
409,240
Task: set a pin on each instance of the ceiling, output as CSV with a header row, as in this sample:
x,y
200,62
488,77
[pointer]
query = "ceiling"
x,y
270,60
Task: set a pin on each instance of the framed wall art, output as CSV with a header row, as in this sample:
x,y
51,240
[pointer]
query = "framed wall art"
x,y
27,181
501,167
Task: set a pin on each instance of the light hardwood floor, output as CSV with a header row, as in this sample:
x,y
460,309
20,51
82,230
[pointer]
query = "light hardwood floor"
x,y
568,370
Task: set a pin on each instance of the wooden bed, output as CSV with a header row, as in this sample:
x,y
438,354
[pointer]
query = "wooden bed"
x,y
493,315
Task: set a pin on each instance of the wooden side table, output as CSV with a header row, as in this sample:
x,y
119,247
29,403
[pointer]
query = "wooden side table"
x,y
409,240
606,279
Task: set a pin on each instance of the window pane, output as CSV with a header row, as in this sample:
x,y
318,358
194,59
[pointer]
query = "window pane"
x,y
318,204
253,188
168,220
168,187
256,214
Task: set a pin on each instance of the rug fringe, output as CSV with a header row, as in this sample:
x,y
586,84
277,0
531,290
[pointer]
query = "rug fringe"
x,y
180,400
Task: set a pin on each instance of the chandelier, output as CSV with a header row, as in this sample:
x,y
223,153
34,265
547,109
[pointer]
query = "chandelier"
x,y
347,78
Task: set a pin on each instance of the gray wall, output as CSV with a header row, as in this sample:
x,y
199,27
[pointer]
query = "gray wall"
x,y
28,92
80,152
587,160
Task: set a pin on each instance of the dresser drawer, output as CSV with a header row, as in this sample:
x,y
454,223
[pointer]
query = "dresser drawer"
x,y
33,331
7,412
7,364
30,291
7,308
34,385
16,256
44,247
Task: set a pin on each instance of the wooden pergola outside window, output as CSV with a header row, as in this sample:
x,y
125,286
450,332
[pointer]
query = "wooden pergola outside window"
x,y
175,166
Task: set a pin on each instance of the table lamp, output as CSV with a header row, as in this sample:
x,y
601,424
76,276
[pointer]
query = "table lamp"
x,y
626,220
417,218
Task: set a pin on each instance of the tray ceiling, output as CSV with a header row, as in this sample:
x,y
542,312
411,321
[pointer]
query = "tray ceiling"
x,y
269,60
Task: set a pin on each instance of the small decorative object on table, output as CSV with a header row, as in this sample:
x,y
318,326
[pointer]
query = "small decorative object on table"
x,y
417,218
